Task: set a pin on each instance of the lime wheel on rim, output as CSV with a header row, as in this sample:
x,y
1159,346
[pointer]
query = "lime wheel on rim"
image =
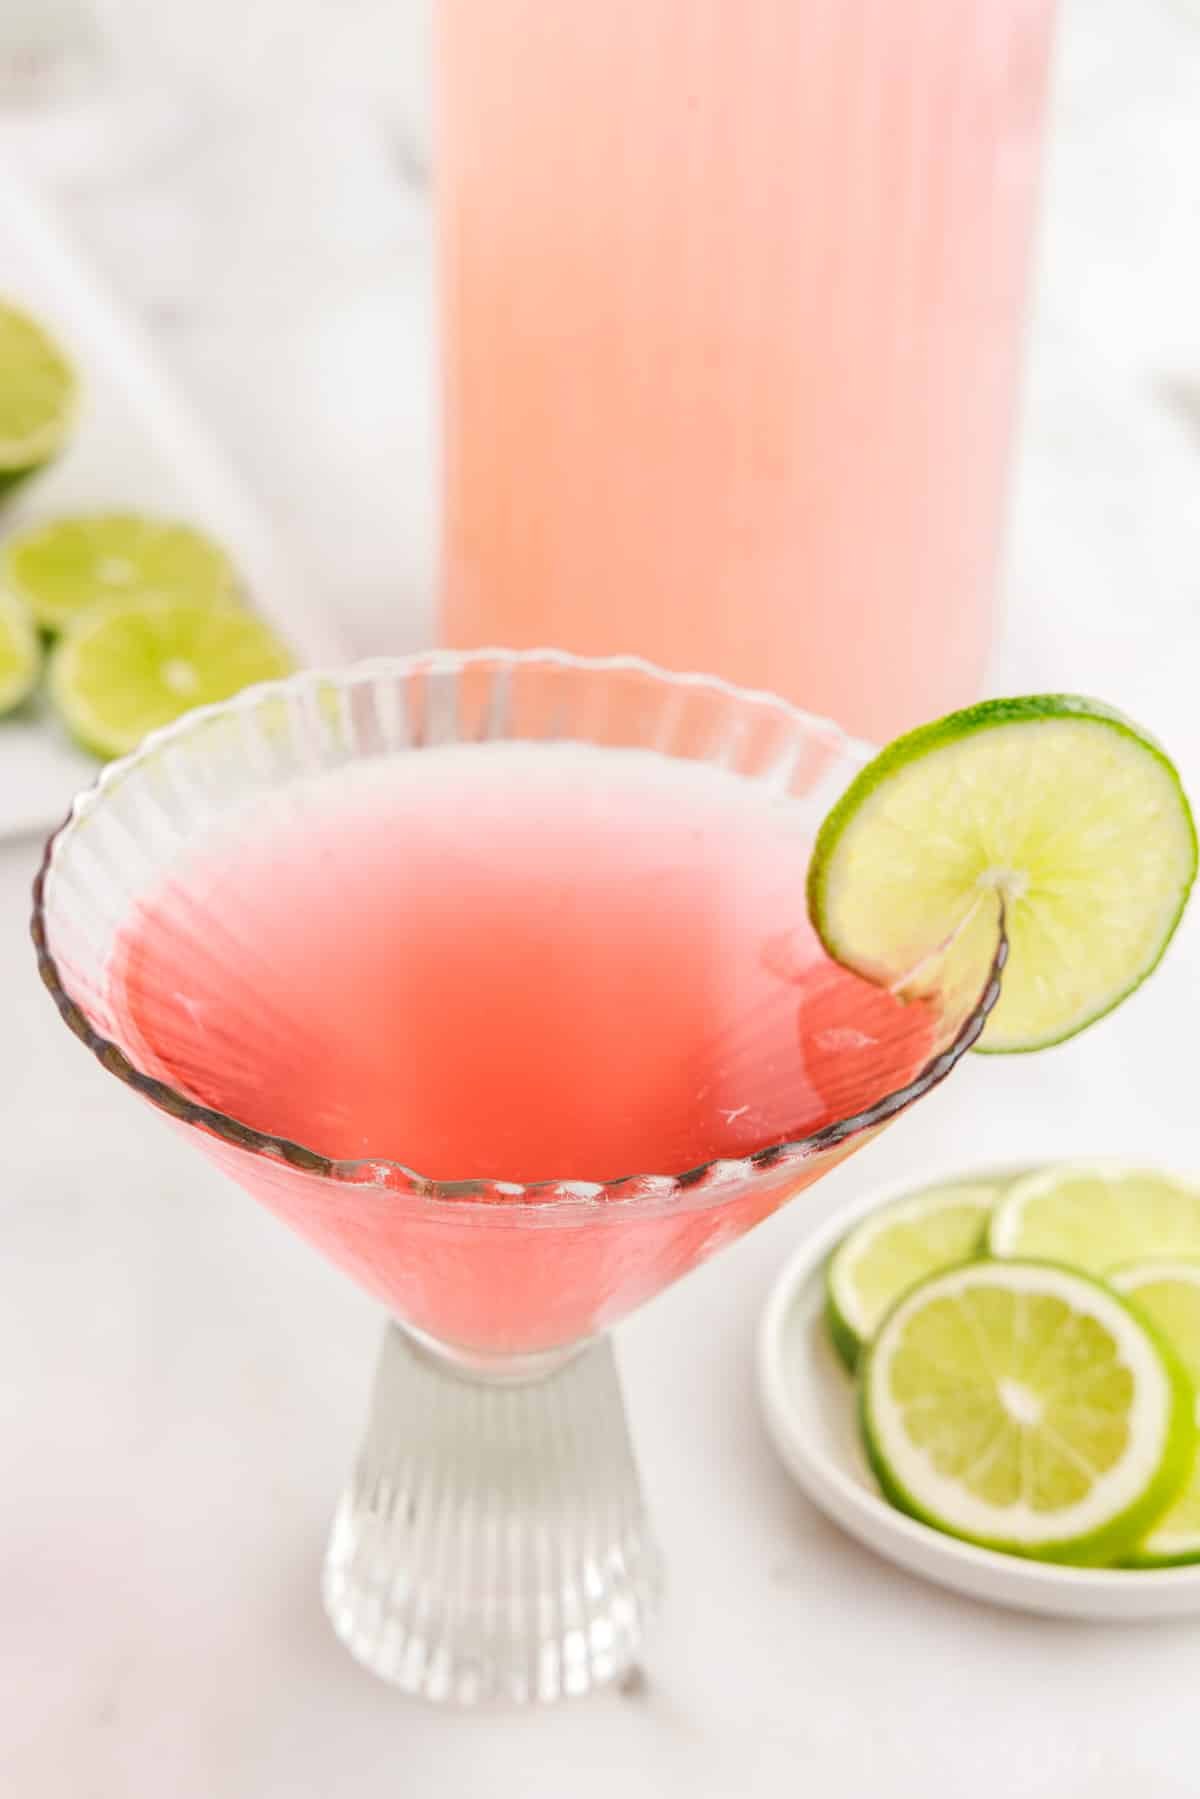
x,y
1053,809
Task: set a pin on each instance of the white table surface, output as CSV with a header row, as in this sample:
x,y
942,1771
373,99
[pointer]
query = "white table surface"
x,y
183,1384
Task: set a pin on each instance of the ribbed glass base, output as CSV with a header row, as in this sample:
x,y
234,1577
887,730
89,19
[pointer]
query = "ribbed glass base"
x,y
492,1544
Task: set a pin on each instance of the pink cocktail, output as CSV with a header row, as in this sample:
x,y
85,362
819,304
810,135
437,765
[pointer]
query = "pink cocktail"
x,y
731,304
491,975
517,965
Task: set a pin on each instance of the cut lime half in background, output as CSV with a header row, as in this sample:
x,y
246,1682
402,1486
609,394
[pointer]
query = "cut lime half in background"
x,y
38,396
1054,807
1027,1408
20,653
62,567
127,668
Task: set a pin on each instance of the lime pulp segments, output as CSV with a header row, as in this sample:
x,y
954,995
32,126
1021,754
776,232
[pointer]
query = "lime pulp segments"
x,y
1055,807
62,567
37,396
1027,1408
125,669
895,1247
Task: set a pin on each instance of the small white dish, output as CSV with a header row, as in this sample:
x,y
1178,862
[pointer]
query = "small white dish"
x,y
808,1402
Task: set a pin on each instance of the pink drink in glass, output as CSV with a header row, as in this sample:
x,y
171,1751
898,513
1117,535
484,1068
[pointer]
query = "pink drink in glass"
x,y
490,975
731,313
512,963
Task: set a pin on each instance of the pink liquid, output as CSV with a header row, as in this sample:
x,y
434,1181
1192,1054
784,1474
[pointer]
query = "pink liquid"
x,y
511,963
731,304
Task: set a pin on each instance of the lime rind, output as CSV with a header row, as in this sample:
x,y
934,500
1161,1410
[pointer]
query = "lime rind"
x,y
1146,1558
1097,1534
848,1344
910,855
931,1229
1167,1294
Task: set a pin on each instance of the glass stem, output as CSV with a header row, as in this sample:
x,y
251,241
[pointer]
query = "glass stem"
x,y
492,1542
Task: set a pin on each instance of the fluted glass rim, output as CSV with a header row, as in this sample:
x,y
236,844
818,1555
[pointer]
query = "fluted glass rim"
x,y
705,1184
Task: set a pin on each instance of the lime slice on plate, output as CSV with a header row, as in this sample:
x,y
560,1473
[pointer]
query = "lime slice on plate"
x,y
1026,1408
125,669
1169,1295
37,396
20,653
1058,807
65,566
1097,1216
892,1249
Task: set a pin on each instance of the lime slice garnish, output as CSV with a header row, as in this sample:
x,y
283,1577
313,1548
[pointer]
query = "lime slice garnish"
x,y
1026,1408
1057,806
37,395
1097,1216
20,653
892,1249
125,669
62,568
1169,1295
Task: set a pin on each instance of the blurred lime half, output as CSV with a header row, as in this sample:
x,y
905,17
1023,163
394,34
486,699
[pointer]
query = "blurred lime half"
x,y
37,396
20,653
125,669
61,568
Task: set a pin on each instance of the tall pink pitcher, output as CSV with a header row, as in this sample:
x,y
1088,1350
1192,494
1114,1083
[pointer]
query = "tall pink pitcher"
x,y
732,295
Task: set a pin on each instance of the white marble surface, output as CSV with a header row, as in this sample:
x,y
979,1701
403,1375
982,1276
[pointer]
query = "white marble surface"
x,y
183,1383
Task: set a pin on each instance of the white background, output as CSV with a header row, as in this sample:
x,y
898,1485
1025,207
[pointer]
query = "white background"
x,y
183,1384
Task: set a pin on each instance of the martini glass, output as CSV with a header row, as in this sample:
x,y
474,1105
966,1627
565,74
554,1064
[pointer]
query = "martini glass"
x,y
492,1540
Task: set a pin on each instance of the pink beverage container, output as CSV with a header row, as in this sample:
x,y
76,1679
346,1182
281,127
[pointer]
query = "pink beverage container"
x,y
731,301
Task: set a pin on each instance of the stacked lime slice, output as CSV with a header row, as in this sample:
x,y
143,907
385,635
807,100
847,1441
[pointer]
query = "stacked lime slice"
x,y
895,1248
1026,1407
1168,1293
37,396
1098,1217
